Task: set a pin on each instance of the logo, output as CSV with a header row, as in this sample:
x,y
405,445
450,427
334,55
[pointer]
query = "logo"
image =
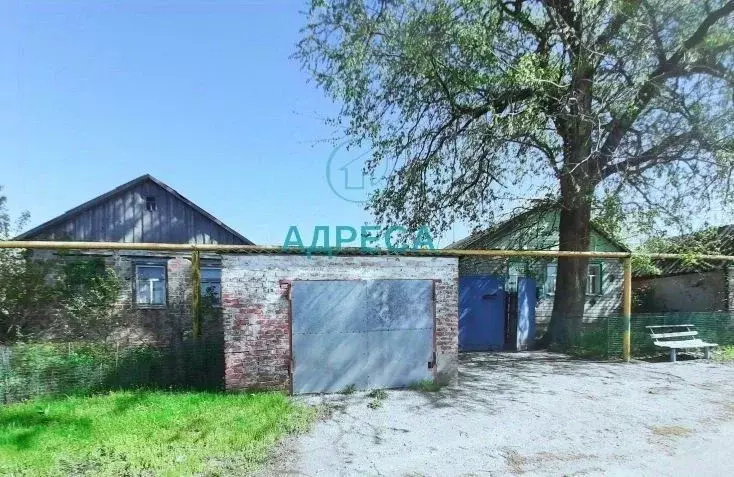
x,y
347,177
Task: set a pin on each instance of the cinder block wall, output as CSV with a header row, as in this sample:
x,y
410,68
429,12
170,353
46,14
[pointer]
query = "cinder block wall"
x,y
256,308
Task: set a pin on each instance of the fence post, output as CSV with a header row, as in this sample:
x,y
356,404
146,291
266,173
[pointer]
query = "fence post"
x,y
627,309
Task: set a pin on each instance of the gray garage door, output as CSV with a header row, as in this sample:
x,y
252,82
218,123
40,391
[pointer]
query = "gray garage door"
x,y
369,334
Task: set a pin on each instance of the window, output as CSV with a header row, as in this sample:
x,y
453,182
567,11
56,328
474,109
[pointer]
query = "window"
x,y
593,281
515,270
550,278
211,285
150,285
150,204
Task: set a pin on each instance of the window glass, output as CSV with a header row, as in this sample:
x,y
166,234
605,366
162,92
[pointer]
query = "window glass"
x,y
211,285
150,283
550,278
593,282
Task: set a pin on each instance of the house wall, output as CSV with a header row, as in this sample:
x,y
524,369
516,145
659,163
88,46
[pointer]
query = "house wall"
x,y
609,303
690,292
131,325
256,308
125,218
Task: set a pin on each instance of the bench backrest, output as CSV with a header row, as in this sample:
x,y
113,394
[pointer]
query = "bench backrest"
x,y
665,333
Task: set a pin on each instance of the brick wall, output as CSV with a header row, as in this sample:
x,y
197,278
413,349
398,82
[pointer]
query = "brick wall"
x,y
130,325
256,308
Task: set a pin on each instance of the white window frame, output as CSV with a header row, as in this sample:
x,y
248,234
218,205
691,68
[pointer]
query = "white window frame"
x,y
589,292
599,282
554,266
150,284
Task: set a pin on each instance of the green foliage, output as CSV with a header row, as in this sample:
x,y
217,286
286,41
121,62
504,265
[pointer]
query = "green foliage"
x,y
146,433
351,389
426,385
477,107
53,369
60,295
724,353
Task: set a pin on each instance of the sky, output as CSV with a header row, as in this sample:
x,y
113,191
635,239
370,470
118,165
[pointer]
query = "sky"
x,y
202,95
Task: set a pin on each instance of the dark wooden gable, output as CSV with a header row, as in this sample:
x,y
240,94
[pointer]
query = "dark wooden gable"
x,y
143,210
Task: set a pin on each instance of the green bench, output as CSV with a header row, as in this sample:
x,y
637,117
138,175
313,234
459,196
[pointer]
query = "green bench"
x,y
675,337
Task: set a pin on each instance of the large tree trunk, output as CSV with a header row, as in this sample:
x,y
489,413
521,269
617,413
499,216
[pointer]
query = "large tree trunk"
x,y
570,296
578,181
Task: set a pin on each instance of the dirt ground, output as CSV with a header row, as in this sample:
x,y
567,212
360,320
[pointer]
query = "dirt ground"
x,y
532,414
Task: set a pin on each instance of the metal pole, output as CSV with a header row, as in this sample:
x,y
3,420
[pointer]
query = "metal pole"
x,y
627,310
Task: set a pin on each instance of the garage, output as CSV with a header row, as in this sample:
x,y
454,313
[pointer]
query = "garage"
x,y
362,334
327,323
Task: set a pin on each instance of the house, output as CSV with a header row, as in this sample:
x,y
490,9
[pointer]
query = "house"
x,y
283,321
679,286
155,305
537,229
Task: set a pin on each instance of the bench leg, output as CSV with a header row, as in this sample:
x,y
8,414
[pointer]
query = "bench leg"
x,y
673,354
706,353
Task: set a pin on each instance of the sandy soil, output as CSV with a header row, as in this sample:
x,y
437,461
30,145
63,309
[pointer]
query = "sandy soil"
x,y
531,414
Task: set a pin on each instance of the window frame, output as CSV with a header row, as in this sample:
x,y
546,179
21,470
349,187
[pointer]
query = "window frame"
x,y
601,279
202,281
554,264
150,306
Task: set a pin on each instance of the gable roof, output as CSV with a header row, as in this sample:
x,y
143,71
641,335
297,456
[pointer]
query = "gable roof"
x,y
505,227
118,190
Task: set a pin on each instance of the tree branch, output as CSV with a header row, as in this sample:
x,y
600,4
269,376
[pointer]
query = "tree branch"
x,y
650,88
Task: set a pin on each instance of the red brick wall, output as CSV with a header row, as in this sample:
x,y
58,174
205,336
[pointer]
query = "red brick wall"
x,y
256,309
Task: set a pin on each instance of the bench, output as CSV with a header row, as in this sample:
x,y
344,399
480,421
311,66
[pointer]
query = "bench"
x,y
675,337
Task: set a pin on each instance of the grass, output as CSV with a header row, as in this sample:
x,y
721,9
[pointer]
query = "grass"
x,y
377,395
426,385
724,353
145,433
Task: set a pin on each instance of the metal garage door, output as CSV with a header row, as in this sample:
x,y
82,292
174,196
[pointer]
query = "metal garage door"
x,y
366,333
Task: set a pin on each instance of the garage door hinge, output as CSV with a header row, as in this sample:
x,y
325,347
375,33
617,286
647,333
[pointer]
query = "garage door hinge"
x,y
432,362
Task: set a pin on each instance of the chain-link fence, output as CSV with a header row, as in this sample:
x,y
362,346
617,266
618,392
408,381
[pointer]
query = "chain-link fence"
x,y
29,370
603,338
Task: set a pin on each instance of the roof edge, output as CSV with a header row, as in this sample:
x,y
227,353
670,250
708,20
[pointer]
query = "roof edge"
x,y
117,190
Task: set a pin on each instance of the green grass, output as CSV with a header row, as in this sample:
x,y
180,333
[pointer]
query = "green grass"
x,y
145,433
724,353
426,385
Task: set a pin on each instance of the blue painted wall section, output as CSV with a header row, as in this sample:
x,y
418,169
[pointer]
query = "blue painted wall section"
x,y
526,300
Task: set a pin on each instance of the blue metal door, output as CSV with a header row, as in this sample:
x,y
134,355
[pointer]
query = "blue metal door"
x,y
366,334
526,301
481,313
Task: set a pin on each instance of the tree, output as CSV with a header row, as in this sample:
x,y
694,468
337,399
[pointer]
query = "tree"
x,y
482,106
52,295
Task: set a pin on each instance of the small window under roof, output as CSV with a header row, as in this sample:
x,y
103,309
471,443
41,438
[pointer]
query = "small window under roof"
x,y
150,204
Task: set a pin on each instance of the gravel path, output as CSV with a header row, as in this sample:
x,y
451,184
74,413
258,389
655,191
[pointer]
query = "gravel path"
x,y
532,414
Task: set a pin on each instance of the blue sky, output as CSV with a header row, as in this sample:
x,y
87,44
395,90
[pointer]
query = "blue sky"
x,y
202,95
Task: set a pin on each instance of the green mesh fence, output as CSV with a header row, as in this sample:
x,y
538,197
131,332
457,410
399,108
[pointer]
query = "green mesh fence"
x,y
604,337
29,370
